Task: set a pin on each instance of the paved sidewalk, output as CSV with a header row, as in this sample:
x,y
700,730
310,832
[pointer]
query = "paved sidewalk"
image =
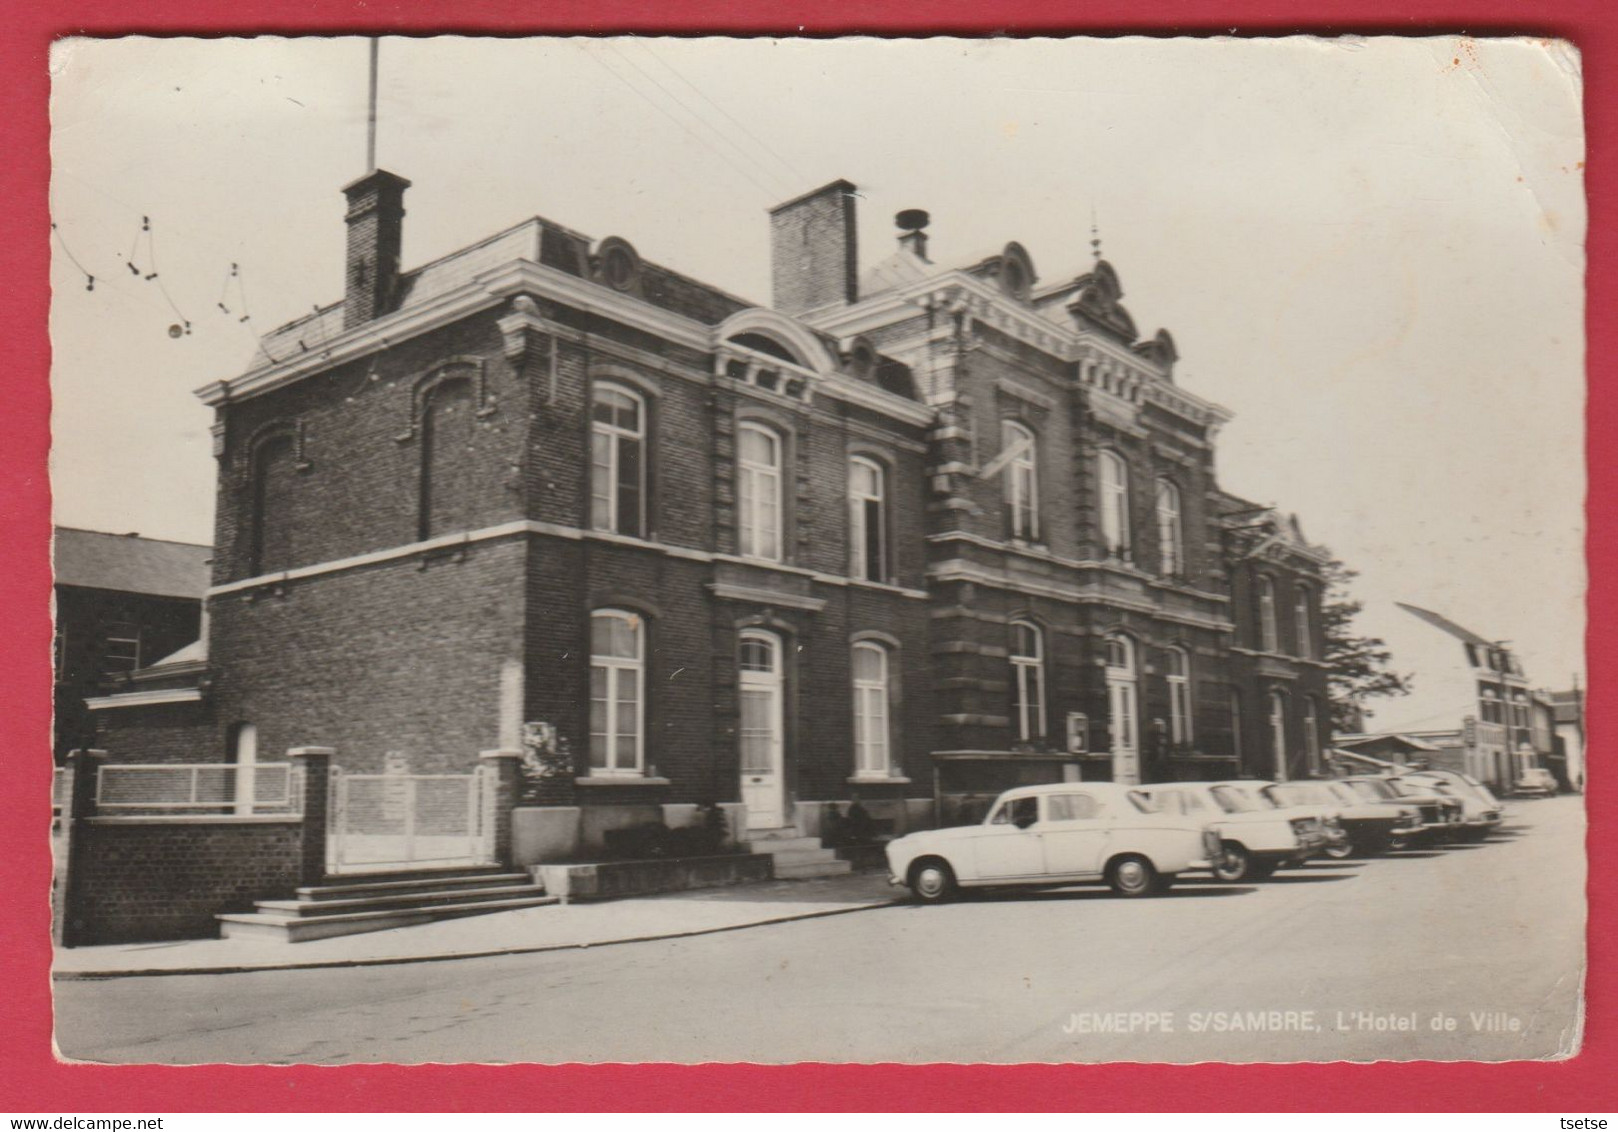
x,y
550,928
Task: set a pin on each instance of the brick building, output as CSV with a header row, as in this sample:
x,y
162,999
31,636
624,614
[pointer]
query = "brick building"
x,y
913,533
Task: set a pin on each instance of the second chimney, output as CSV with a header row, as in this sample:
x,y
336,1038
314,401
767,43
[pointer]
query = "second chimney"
x,y
375,234
812,250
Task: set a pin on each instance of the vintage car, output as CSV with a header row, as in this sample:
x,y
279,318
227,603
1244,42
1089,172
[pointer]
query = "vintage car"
x,y
1440,814
1373,825
1536,780
1255,838
1481,811
1060,834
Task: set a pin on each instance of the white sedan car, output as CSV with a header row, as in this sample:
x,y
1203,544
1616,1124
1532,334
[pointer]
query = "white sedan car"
x,y
1255,838
1065,833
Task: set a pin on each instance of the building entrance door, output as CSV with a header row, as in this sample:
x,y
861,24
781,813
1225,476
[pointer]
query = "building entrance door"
x,y
1123,710
763,728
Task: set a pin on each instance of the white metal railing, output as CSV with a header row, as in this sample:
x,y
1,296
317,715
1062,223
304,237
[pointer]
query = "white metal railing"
x,y
58,788
379,821
250,788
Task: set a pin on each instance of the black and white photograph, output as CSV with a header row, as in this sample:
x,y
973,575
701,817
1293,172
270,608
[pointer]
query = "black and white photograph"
x,y
852,550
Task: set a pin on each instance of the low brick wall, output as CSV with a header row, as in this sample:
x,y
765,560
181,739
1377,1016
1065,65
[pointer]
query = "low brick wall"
x,y
606,879
156,878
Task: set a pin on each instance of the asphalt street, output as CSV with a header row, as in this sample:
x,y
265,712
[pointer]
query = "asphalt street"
x,y
1478,950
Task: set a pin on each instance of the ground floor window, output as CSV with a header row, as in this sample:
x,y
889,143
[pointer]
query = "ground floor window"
x,y
872,755
617,680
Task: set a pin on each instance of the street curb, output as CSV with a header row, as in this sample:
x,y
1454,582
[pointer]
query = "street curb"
x,y
447,956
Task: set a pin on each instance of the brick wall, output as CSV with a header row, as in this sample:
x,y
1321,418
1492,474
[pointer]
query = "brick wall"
x,y
812,250
154,879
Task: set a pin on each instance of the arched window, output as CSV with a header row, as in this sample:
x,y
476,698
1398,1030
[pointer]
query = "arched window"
x,y
617,692
618,461
1114,504
1303,622
758,492
1311,733
1269,640
1022,479
448,443
1278,733
872,755
1177,669
1170,530
274,478
867,520
1028,680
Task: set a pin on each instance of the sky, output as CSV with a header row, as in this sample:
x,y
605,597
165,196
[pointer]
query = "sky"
x,y
1370,250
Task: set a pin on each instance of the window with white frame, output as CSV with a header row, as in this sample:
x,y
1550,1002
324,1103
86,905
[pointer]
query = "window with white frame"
x,y
1177,670
1028,680
120,648
617,692
1269,640
867,520
618,461
872,737
1303,622
1114,504
1311,732
1022,479
1278,733
1170,530
1492,712
758,492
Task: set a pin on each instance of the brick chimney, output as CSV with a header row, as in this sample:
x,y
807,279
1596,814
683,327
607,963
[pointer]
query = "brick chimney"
x,y
375,230
812,251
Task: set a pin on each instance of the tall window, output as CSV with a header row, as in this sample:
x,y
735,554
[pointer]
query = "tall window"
x,y
867,520
1170,530
1491,706
617,687
617,461
1178,668
1303,622
1269,640
274,476
1236,744
758,492
1028,680
1311,733
1114,504
1022,479
871,730
449,490
1278,733
1122,694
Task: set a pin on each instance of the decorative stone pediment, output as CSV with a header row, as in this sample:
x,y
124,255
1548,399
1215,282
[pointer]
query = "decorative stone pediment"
x,y
1097,303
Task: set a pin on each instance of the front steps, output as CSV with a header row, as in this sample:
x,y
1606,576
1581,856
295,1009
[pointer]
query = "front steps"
x,y
348,905
795,857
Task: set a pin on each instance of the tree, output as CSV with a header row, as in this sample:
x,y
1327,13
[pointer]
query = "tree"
x,y
1360,668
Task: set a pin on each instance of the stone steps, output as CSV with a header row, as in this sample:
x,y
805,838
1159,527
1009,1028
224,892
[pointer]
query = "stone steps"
x,y
794,856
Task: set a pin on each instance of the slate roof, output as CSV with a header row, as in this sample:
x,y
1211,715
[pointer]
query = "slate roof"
x,y
131,564
1439,621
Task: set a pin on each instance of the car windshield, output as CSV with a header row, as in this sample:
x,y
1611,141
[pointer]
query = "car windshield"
x,y
1372,790
1299,794
1410,789
1344,793
1234,801
1145,803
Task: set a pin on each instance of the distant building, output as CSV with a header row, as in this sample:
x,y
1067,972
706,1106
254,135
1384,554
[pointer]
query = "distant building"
x,y
1568,708
122,602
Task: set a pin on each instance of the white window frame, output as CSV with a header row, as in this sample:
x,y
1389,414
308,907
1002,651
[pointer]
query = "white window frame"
x,y
756,484
859,502
1311,732
619,669
1170,529
129,633
605,482
1028,682
1114,482
1278,734
873,726
1022,479
1269,637
1303,623
1179,683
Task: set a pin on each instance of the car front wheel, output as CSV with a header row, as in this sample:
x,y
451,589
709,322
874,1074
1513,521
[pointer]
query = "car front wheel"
x,y
932,880
1340,850
1234,863
1135,876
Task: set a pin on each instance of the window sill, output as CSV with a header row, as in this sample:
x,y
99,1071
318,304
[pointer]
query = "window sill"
x,y
620,780
877,780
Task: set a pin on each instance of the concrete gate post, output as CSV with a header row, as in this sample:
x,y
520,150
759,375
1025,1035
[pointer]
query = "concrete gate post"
x,y
504,770
316,765
78,803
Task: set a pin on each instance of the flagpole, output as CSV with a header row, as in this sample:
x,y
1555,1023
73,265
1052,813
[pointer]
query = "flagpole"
x,y
370,123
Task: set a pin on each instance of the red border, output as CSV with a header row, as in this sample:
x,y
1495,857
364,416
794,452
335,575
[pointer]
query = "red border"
x,y
30,1080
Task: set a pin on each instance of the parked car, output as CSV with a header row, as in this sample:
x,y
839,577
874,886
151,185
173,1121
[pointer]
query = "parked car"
x,y
1440,814
1372,824
1061,834
1337,845
1481,811
1255,838
1536,780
